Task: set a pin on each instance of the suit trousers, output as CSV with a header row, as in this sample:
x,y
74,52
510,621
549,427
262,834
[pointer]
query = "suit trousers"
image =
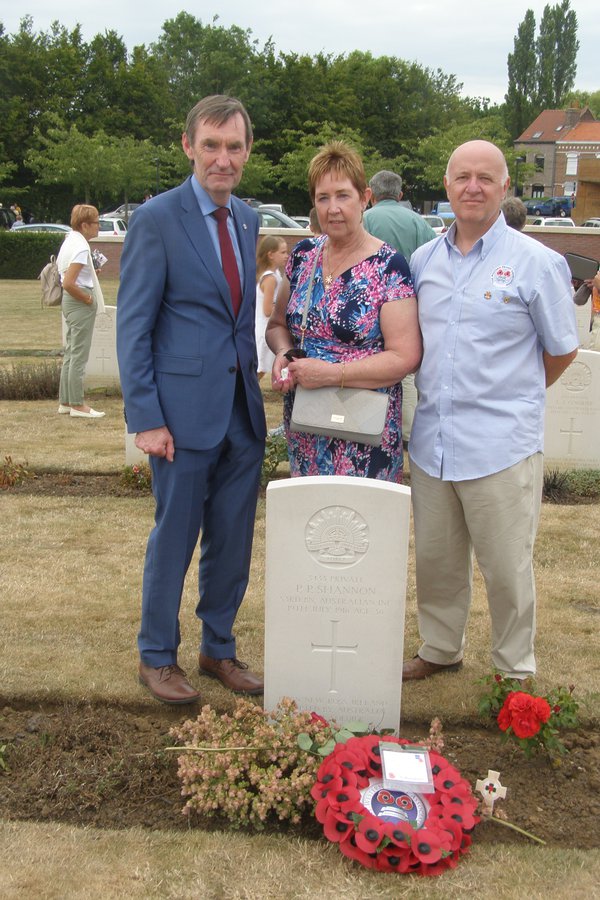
x,y
497,517
80,320
215,492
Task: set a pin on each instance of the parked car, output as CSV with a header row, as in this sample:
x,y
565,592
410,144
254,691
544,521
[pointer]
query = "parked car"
x,y
561,223
591,223
112,226
273,218
252,201
553,206
278,206
437,223
444,211
41,226
122,211
303,221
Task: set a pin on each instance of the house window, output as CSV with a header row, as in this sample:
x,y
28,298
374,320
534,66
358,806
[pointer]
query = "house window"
x,y
539,162
537,190
537,134
570,187
571,164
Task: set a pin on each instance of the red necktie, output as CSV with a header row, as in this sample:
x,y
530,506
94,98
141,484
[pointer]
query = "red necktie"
x,y
228,260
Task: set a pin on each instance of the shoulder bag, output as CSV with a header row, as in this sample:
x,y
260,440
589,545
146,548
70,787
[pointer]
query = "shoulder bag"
x,y
349,414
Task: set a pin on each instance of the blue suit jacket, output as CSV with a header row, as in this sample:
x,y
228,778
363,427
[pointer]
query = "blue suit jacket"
x,y
178,343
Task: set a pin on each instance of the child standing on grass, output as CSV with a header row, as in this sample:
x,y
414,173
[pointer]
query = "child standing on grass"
x,y
271,256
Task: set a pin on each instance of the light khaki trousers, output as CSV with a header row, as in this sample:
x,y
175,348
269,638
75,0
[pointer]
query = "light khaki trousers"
x,y
497,517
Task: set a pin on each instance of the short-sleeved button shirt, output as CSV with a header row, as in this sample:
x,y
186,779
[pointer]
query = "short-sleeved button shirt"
x,y
486,319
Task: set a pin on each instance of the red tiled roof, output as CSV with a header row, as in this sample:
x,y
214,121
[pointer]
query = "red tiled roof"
x,y
585,131
548,122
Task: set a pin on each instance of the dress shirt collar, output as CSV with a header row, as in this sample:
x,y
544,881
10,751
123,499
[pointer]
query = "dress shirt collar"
x,y
485,243
205,202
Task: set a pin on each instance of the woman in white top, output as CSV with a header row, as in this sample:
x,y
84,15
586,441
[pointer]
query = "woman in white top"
x,y
82,299
271,256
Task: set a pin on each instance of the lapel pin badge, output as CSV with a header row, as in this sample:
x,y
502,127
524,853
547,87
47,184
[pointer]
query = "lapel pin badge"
x,y
244,226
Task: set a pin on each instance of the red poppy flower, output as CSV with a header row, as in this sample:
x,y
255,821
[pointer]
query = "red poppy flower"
x,y
427,845
392,860
337,827
400,834
346,799
370,833
353,851
454,829
320,789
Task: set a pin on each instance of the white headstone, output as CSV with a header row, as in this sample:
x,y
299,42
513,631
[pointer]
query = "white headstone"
x,y
572,427
583,318
102,361
336,564
133,456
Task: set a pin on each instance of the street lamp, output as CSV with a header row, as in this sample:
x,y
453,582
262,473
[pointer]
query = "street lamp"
x,y
518,161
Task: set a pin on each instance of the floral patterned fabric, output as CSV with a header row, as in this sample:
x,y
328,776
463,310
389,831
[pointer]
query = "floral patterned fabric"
x,y
343,325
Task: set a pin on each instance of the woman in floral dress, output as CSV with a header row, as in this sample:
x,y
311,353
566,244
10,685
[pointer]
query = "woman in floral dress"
x,y
362,329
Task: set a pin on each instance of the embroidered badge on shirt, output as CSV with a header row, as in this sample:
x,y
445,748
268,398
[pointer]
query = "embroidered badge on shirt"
x,y
502,276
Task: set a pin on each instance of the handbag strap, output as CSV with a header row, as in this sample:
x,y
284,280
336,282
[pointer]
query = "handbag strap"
x,y
308,297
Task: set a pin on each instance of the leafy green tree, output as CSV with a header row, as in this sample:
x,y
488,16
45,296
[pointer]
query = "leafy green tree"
x,y
582,99
556,48
541,71
204,59
522,78
434,151
68,157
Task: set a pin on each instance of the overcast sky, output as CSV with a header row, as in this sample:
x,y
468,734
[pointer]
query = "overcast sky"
x,y
469,39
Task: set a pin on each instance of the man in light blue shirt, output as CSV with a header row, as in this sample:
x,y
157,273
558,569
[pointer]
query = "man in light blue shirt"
x,y
498,324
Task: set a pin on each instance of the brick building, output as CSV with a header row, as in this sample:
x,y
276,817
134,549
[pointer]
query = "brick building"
x,y
554,143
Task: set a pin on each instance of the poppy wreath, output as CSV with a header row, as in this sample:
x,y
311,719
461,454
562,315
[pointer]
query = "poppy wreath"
x,y
392,846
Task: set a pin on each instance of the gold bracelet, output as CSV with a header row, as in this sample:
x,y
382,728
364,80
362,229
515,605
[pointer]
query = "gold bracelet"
x,y
343,374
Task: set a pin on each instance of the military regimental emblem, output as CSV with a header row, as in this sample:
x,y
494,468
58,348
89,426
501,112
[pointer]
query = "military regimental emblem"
x,y
337,536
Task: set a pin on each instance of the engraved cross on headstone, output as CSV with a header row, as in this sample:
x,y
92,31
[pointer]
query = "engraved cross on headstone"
x,y
103,357
570,432
334,648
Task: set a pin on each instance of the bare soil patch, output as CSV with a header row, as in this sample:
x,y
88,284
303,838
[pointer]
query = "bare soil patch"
x,y
106,766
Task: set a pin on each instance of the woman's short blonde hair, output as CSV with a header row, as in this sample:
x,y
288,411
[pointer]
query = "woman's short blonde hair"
x,y
81,214
341,159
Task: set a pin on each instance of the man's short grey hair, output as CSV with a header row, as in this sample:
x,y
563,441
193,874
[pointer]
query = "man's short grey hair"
x,y
515,212
217,109
386,185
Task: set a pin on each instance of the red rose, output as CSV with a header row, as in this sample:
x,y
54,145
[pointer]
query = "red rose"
x,y
524,714
315,717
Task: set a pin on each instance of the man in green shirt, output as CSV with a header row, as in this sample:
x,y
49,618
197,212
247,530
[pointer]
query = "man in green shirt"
x,y
392,222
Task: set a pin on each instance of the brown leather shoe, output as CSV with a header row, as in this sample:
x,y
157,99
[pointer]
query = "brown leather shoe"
x,y
234,674
416,669
168,684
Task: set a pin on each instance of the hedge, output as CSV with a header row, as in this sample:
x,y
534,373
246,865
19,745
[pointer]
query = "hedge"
x,y
25,255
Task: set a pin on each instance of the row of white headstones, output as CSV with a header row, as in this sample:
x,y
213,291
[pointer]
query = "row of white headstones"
x,y
336,575
572,431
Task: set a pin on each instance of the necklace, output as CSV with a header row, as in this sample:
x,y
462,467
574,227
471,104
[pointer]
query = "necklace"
x,y
329,279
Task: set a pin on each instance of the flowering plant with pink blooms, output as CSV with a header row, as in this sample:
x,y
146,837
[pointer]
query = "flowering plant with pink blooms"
x,y
532,720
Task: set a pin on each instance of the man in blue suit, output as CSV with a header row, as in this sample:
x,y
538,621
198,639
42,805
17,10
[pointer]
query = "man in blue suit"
x,y
187,360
